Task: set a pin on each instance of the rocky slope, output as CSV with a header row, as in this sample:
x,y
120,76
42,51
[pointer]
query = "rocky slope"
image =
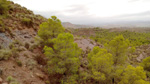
x,y
15,30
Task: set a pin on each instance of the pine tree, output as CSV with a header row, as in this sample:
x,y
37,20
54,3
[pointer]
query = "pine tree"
x,y
63,58
133,75
118,47
49,30
100,63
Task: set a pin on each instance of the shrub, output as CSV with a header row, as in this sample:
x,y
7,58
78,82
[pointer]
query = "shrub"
x,y
33,47
146,65
40,60
11,80
19,63
2,26
18,42
31,63
1,22
47,82
2,29
27,45
9,30
26,55
4,6
14,52
5,54
27,21
14,83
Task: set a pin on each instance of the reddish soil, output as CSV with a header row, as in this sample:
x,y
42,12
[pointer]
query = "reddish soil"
x,y
30,72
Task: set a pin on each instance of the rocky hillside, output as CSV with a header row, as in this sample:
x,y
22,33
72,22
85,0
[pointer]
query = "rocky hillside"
x,y
17,56
140,53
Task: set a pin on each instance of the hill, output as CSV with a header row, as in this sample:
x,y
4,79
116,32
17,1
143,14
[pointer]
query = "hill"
x,y
70,25
126,24
18,27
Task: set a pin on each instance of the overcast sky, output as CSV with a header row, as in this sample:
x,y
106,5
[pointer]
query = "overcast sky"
x,y
90,11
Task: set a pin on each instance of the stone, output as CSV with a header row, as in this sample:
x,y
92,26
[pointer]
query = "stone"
x,y
1,80
4,83
1,72
40,75
140,57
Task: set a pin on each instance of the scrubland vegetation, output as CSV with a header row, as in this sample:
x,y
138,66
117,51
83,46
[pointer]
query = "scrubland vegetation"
x,y
105,35
62,59
4,6
107,65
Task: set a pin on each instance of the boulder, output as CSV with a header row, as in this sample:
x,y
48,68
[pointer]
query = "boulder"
x,y
140,57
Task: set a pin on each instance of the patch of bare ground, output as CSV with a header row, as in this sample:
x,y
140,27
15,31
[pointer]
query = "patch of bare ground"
x,y
85,44
22,74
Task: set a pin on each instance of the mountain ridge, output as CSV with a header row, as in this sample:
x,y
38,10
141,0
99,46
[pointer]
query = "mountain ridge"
x,y
76,26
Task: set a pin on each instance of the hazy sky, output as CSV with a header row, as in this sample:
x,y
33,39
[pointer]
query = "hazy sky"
x,y
90,11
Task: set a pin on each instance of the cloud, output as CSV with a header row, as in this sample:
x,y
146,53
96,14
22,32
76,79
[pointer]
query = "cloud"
x,y
77,9
75,13
136,16
91,11
92,20
134,0
138,0
14,0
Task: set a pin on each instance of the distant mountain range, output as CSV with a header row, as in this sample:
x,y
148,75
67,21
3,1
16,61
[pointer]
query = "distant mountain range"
x,y
70,25
128,24
125,24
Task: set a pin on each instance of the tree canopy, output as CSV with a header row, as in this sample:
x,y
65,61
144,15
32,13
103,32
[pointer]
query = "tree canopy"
x,y
133,75
118,47
100,62
64,56
50,29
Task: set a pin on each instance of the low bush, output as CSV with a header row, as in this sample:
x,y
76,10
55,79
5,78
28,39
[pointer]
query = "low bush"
x,y
19,63
12,80
19,43
33,47
27,21
9,79
2,26
31,64
4,6
5,54
1,22
2,29
40,60
27,45
15,52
